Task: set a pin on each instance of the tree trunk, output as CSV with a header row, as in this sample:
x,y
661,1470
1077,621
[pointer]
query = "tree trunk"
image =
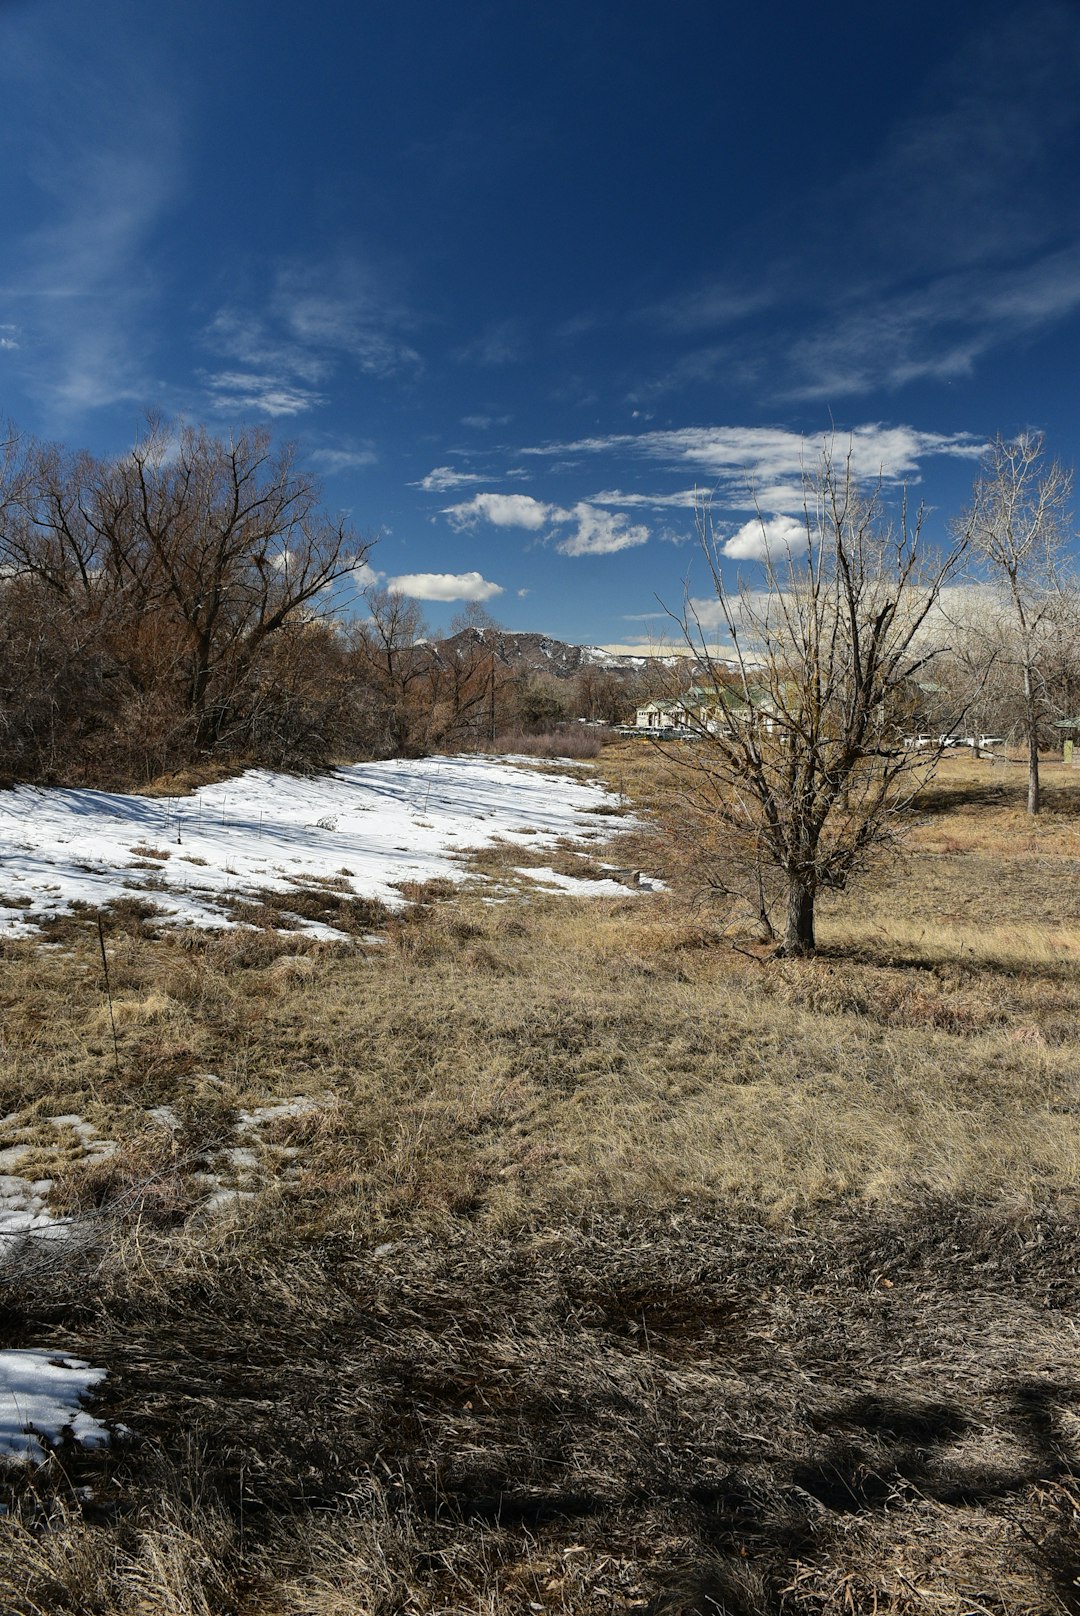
x,y
799,930
1032,726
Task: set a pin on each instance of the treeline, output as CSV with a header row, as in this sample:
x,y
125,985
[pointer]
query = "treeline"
x,y
192,601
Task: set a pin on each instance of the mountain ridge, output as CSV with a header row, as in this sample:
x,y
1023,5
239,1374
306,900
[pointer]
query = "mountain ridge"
x,y
527,651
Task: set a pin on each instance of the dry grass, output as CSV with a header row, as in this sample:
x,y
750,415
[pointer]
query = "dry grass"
x,y
592,1265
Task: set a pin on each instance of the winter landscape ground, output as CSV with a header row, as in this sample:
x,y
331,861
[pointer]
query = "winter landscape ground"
x,y
445,1205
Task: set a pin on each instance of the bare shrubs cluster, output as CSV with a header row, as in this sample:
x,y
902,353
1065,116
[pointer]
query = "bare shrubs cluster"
x,y
171,605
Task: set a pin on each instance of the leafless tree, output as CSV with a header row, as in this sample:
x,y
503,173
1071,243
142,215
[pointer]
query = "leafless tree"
x,y
181,562
392,663
799,757
170,580
1018,525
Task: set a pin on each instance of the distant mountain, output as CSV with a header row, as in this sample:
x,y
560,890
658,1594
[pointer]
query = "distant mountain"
x,y
539,653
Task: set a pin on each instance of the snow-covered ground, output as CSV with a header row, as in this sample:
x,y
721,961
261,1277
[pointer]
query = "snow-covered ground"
x,y
41,1397
368,828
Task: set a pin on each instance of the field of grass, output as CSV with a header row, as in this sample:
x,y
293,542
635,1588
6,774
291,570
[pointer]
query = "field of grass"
x,y
555,1254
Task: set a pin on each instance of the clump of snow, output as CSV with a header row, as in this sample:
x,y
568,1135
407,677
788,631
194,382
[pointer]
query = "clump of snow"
x,y
41,1395
574,883
385,824
301,1105
23,1210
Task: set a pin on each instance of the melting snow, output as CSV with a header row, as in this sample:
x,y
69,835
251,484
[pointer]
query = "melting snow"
x,y
40,1399
22,1209
575,883
368,829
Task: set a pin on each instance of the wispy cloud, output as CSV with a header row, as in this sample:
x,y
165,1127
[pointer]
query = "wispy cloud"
x,y
441,479
444,586
80,279
957,236
940,331
763,467
314,320
681,499
707,306
502,343
235,391
344,457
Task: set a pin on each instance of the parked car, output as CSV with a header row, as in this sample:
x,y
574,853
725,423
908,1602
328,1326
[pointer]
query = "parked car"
x,y
919,743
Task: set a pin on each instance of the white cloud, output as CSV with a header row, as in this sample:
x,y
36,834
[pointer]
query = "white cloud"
x,y
764,536
682,499
440,479
444,586
365,576
595,532
705,613
599,532
504,510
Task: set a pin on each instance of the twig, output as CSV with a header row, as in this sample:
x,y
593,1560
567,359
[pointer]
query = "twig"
x,y
108,992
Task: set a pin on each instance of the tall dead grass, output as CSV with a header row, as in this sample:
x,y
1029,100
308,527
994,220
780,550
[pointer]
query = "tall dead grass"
x,y
578,1259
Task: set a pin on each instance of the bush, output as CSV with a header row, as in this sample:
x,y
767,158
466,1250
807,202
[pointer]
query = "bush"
x,y
568,741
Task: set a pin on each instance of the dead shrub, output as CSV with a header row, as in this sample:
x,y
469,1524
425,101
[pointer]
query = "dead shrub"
x,y
569,741
142,1180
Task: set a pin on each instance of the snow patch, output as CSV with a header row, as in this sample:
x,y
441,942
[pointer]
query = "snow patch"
x,y
574,883
366,830
40,1401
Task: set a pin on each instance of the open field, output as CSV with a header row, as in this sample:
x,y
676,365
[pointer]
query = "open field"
x,y
554,1254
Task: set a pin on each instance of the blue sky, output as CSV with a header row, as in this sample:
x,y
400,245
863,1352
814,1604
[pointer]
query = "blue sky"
x,y
518,279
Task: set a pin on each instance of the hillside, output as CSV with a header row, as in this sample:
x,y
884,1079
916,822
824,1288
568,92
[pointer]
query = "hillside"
x,y
531,653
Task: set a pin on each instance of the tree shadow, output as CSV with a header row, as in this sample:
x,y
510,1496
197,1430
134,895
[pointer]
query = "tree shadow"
x,y
879,1452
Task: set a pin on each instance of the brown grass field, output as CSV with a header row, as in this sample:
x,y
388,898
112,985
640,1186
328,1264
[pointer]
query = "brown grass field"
x,y
569,1255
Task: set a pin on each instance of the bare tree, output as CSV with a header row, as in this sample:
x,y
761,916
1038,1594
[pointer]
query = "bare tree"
x,y
391,655
799,759
181,562
1018,524
168,574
